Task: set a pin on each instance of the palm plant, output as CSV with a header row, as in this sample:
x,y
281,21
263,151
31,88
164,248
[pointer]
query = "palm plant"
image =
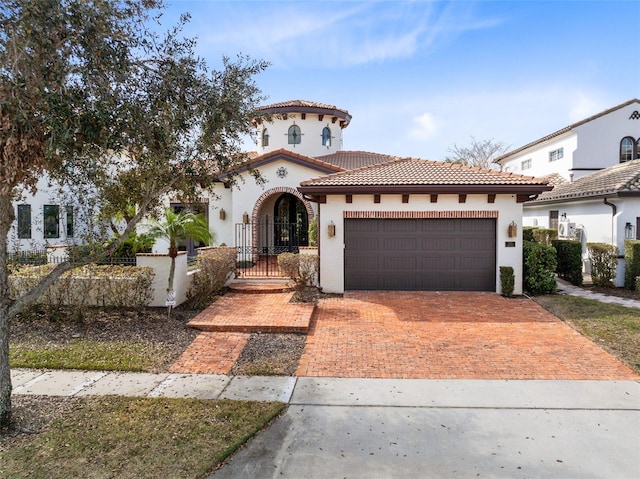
x,y
175,227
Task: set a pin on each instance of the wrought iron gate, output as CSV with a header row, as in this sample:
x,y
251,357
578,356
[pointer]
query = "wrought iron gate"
x,y
259,245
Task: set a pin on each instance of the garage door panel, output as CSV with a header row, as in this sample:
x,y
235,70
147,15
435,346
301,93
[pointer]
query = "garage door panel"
x,y
420,254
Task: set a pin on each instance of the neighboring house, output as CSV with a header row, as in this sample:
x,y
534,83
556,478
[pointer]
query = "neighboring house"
x,y
603,207
383,222
593,198
43,218
600,141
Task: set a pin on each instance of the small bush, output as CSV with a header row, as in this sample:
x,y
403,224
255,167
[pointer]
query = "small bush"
x,y
604,263
527,233
313,232
301,268
569,259
213,268
289,264
507,280
539,265
631,263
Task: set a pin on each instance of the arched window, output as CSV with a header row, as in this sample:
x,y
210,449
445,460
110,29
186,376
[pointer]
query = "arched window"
x,y
294,135
638,148
626,149
265,137
326,136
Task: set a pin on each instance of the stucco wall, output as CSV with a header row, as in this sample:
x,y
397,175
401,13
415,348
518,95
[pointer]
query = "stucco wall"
x,y
596,220
332,248
311,129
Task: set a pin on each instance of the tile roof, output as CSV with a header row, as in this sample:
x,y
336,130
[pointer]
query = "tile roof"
x,y
350,160
304,106
564,130
255,161
622,179
416,174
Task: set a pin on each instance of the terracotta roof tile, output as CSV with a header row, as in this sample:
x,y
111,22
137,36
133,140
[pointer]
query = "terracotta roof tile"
x,y
350,160
417,172
304,106
623,178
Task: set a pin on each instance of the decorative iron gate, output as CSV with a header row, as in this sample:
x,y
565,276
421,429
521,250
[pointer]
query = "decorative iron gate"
x,y
259,245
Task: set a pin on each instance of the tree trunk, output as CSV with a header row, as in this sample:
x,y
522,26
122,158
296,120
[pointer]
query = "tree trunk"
x,y
6,218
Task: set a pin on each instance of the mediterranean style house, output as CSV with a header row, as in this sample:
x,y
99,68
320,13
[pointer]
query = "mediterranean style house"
x,y
594,165
378,221
382,222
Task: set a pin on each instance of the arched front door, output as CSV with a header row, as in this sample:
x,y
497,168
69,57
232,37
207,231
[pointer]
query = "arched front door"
x,y
291,227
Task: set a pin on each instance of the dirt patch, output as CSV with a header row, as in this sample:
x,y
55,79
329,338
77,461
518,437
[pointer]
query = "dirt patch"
x,y
270,355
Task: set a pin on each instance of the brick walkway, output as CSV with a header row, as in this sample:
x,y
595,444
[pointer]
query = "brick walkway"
x,y
265,313
448,336
211,353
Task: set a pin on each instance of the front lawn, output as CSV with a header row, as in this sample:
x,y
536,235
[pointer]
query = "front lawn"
x,y
112,436
613,327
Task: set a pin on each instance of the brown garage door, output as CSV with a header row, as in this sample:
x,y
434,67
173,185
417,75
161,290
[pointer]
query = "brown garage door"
x,y
420,254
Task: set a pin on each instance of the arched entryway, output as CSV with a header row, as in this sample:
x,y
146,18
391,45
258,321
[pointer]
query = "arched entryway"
x,y
291,222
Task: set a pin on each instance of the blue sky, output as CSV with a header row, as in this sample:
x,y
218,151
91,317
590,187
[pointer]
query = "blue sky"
x,y
420,76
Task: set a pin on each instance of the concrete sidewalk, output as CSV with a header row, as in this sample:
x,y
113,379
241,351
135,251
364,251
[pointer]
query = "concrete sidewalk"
x,y
388,428
564,287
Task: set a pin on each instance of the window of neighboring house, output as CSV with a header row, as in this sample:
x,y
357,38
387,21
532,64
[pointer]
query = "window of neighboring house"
x,y
637,148
294,135
24,221
526,164
265,137
553,219
326,136
51,218
556,154
69,221
626,149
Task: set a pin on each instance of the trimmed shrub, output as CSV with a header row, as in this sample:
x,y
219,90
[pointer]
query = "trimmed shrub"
x,y
569,259
301,268
544,235
527,233
631,263
604,262
539,265
507,280
213,268
313,232
89,285
289,264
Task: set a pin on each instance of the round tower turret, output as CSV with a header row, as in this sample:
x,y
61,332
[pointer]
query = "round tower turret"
x,y
308,128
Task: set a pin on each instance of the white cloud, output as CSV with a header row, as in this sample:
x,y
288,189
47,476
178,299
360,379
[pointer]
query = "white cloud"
x,y
425,127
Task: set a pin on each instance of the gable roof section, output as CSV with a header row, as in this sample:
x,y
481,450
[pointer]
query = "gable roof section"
x,y
564,130
412,175
282,154
618,180
350,160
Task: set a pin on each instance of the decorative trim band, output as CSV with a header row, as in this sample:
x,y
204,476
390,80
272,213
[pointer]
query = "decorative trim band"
x,y
418,214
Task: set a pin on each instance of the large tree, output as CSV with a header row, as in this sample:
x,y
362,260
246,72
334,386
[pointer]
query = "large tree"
x,y
93,99
479,153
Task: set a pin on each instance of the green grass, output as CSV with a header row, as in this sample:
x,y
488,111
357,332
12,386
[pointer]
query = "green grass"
x,y
112,436
613,327
86,354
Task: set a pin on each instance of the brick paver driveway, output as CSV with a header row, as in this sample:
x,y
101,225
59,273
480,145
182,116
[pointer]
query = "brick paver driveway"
x,y
448,335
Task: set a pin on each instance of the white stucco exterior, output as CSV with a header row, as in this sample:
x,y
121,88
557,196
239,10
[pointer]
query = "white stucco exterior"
x,y
589,145
596,221
332,248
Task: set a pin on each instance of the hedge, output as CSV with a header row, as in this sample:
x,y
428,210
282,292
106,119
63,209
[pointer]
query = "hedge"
x,y
569,259
604,263
632,263
539,265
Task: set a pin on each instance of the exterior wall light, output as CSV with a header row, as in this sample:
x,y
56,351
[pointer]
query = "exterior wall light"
x,y
331,230
223,214
513,230
628,231
245,218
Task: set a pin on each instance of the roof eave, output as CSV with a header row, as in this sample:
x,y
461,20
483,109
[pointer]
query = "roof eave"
x,y
423,189
587,197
